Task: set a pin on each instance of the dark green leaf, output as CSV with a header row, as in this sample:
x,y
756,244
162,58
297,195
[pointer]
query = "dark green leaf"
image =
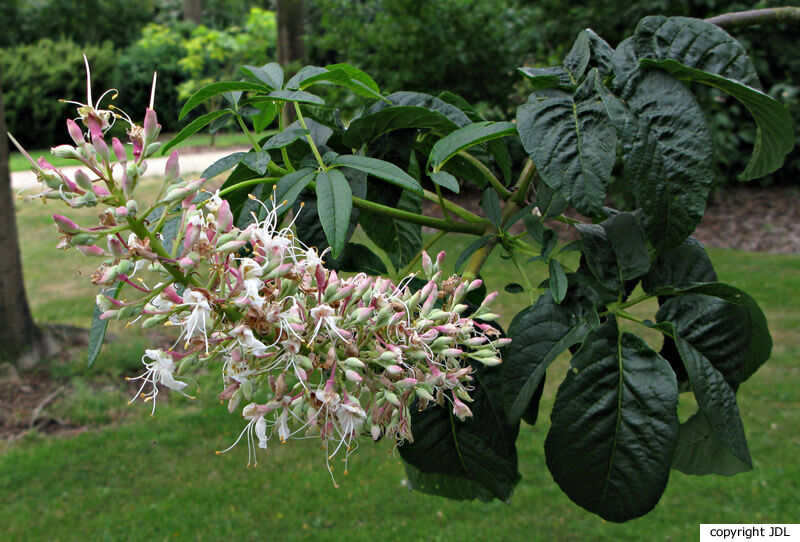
x,y
288,188
480,449
445,180
267,113
378,168
371,126
334,205
695,43
466,137
534,227
257,161
420,99
550,203
193,127
285,138
558,281
357,258
215,89
680,267
270,74
513,288
700,451
223,164
490,202
614,426
97,332
296,96
443,485
724,324
572,143
545,78
774,124
538,335
588,51
401,240
667,153
470,250
616,250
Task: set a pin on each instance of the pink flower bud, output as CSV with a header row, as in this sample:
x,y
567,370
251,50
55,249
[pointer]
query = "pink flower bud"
x,y
394,370
489,298
101,191
65,225
151,125
352,376
439,259
474,285
375,431
119,150
100,146
186,263
115,247
427,264
452,352
224,217
172,169
75,132
82,179
93,123
406,383
121,211
92,250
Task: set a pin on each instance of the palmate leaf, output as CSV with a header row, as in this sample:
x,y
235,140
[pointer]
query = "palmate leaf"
x,y
572,142
614,426
479,450
775,127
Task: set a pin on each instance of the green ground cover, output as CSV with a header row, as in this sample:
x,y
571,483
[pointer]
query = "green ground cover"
x,y
130,476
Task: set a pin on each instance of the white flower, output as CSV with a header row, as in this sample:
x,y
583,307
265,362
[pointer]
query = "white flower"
x,y
158,371
256,425
251,272
325,315
244,335
196,322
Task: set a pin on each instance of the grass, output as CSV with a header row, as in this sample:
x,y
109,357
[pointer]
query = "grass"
x,y
158,478
17,162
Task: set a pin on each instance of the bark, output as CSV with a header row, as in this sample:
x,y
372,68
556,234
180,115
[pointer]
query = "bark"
x,y
291,47
21,342
193,11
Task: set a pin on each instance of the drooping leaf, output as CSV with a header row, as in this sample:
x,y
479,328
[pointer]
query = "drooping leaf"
x,y
716,399
679,267
334,205
490,202
369,127
443,485
774,124
700,451
466,137
267,113
445,180
538,335
572,142
223,164
295,96
545,78
666,153
381,169
420,99
615,250
214,89
480,449
724,324
694,43
558,281
193,127
614,426
97,331
285,138
588,51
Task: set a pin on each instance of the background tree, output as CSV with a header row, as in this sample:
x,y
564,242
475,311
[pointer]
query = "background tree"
x,y
21,342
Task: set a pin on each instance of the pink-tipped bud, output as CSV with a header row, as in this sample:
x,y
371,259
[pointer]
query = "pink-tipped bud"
x,y
375,431
119,150
91,250
452,352
101,191
352,376
94,125
406,383
232,246
65,225
224,217
186,263
121,211
499,343
394,370
82,180
172,169
75,132
151,125
427,264
475,341
101,147
489,298
474,285
115,247
439,259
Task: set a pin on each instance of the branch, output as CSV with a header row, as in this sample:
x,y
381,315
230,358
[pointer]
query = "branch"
x,y
739,19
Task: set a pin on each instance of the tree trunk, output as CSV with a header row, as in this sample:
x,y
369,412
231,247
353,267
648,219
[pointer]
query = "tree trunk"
x,y
290,31
193,11
21,342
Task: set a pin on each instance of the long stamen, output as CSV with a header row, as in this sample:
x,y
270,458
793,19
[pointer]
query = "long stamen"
x,y
88,82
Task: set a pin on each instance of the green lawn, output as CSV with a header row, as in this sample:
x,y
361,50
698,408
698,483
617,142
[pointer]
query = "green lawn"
x,y
143,478
17,162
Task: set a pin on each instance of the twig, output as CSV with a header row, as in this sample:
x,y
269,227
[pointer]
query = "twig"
x,y
43,403
739,19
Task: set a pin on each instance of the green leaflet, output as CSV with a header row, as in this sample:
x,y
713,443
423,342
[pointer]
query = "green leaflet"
x,y
381,169
700,451
466,137
614,426
334,205
215,89
775,133
97,331
193,127
572,142
270,74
